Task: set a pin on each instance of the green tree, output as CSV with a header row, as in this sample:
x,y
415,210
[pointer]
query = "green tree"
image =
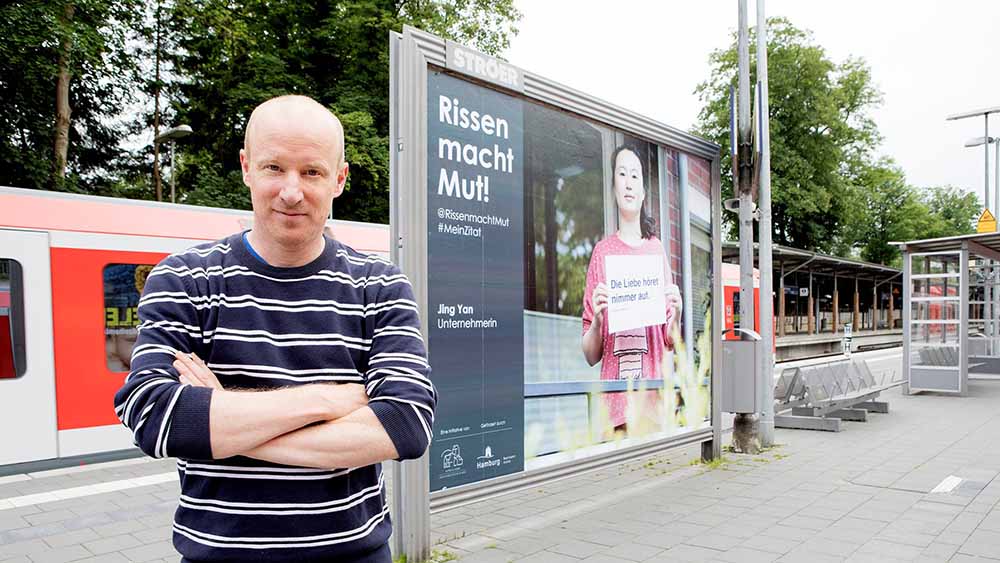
x,y
232,55
820,132
86,43
956,211
889,210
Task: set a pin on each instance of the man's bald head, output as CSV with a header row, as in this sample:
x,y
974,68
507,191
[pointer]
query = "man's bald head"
x,y
293,162
295,109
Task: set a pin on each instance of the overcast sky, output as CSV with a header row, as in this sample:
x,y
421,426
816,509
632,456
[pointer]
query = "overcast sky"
x,y
930,59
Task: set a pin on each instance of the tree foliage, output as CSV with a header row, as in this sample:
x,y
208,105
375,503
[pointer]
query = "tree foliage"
x,y
220,59
101,71
829,191
819,126
234,55
889,210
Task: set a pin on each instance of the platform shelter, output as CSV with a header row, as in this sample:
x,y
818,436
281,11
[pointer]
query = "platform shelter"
x,y
820,294
951,311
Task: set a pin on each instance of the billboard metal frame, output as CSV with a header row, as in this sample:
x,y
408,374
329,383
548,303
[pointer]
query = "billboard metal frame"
x,y
411,53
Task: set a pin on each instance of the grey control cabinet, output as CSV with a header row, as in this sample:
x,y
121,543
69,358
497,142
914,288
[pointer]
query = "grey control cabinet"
x,y
739,372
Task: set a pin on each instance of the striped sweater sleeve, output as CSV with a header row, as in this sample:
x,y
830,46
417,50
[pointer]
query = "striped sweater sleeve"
x,y
166,419
398,382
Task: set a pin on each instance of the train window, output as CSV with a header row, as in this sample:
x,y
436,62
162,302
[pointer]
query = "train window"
x,y
123,285
12,351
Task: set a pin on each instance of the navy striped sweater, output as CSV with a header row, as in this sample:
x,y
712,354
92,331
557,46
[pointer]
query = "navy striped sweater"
x,y
345,317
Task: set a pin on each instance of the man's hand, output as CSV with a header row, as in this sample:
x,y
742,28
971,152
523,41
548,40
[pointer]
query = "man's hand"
x,y
193,371
343,398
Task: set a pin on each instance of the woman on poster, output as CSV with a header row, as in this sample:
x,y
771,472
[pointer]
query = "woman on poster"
x,y
636,353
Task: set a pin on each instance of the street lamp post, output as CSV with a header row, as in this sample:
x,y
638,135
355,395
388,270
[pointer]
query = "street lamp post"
x,y
986,135
995,141
172,135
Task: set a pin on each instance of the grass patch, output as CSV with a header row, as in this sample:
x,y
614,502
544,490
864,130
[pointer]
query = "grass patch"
x,y
437,556
442,556
718,463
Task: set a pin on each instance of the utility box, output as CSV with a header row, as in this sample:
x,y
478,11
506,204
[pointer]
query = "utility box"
x,y
739,371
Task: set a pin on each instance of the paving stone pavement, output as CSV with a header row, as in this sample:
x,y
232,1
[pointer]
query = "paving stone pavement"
x,y
860,495
863,494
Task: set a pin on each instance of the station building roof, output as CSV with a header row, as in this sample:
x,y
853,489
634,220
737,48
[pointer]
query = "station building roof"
x,y
796,259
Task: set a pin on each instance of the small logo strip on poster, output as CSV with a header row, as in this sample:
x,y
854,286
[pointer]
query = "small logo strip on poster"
x,y
483,67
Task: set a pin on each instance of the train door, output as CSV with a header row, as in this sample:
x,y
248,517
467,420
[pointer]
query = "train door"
x,y
27,380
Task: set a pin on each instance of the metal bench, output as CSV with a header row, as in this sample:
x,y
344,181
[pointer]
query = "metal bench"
x,y
939,356
820,396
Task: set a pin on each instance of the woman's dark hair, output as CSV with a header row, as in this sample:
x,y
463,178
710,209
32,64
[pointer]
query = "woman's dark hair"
x,y
647,224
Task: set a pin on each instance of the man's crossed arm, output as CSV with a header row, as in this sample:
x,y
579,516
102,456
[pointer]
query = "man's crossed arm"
x,y
175,407
319,425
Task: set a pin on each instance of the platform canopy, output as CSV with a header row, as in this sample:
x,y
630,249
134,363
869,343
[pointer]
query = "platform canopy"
x,y
794,258
986,245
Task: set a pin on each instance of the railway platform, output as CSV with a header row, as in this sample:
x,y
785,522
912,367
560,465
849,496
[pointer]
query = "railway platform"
x,y
918,484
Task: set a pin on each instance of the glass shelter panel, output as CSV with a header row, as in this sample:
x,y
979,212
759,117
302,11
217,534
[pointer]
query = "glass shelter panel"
x,y
984,312
935,326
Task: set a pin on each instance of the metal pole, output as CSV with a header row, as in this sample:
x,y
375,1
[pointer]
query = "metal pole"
x,y
746,431
173,194
907,304
764,249
996,176
995,319
986,161
743,186
963,322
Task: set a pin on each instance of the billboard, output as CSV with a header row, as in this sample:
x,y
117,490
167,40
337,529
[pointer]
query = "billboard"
x,y
567,254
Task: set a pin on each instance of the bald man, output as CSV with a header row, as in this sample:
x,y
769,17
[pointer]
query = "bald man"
x,y
281,366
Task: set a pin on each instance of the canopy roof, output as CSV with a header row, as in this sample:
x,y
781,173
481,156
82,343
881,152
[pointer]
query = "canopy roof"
x,y
790,259
982,244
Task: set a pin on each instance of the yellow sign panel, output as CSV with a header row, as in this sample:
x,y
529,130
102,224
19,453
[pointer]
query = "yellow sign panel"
x,y
987,223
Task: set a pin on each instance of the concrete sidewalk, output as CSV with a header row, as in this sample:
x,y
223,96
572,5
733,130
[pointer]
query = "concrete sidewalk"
x,y
860,495
863,494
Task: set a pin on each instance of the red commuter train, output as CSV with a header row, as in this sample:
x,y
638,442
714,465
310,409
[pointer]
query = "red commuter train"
x,y
71,270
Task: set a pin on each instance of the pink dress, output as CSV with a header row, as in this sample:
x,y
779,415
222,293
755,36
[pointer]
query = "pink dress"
x,y
631,354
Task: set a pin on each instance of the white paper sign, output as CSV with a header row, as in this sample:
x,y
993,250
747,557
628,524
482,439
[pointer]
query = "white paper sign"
x,y
635,292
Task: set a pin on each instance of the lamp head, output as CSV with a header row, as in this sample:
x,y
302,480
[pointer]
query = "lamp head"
x,y
174,133
976,141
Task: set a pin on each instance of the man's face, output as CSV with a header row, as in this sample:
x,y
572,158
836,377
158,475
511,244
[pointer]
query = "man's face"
x,y
294,171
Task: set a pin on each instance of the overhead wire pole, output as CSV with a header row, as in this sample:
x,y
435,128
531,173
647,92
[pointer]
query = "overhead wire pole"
x,y
764,248
744,173
746,437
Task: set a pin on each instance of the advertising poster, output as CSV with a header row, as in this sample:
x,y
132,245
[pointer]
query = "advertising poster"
x,y
476,281
123,285
557,250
